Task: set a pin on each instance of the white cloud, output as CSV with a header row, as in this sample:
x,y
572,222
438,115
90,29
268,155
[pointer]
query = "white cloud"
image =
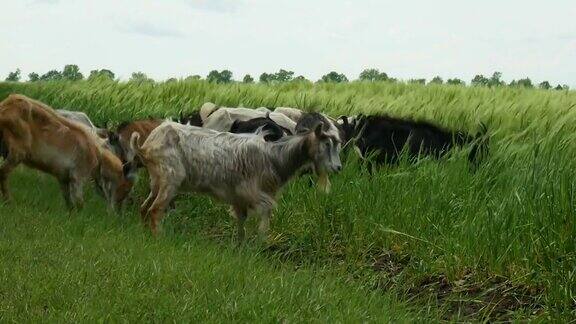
x,y
149,29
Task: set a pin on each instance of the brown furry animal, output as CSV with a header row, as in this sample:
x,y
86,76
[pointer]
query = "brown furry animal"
x,y
120,141
35,135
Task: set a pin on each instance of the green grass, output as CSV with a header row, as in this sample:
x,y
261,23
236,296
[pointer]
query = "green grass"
x,y
439,238
93,266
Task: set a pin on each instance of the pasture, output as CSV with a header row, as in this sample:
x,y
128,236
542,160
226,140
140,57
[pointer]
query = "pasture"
x,y
424,241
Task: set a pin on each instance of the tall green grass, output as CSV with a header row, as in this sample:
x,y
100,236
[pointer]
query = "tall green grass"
x,y
514,217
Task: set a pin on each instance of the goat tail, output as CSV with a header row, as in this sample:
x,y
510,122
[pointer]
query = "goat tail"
x,y
480,146
134,146
134,150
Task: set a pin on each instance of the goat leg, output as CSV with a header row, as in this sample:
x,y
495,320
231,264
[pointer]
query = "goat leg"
x,y
145,207
158,208
240,213
113,204
77,194
264,210
5,170
65,188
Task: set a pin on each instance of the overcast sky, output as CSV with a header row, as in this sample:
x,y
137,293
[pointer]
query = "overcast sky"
x,y
407,39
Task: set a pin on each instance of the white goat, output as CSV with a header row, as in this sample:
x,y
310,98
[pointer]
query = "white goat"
x,y
241,170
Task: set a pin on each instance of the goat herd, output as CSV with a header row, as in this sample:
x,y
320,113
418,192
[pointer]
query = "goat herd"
x,y
240,156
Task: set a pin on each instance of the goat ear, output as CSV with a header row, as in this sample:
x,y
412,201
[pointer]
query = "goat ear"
x,y
344,120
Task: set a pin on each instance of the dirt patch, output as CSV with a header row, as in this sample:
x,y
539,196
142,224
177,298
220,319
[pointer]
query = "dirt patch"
x,y
496,298
472,296
390,263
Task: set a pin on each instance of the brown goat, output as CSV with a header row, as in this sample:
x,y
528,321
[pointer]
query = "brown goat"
x,y
36,136
120,141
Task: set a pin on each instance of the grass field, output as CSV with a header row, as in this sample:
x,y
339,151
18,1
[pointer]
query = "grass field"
x,y
414,242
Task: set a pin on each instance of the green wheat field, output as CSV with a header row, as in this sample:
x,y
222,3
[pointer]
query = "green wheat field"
x,y
430,241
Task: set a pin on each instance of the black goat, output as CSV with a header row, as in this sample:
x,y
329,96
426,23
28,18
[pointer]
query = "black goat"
x,y
386,137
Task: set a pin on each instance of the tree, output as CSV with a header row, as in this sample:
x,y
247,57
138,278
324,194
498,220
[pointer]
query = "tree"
x,y
213,76
334,77
372,75
455,81
280,76
562,87
139,77
101,74
265,77
526,83
480,80
545,85
52,75
417,81
248,79
436,80
33,77
495,81
225,76
71,72
193,77
300,78
171,80
283,76
14,76
94,74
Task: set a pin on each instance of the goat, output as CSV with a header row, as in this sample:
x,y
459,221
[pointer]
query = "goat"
x,y
82,118
222,119
310,119
243,171
206,110
292,113
274,131
120,140
193,119
35,135
387,136
305,123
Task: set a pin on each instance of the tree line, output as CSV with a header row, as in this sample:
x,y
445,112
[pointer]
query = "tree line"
x,y
71,72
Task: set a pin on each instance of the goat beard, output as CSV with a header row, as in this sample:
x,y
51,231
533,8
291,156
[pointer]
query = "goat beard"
x,y
324,182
